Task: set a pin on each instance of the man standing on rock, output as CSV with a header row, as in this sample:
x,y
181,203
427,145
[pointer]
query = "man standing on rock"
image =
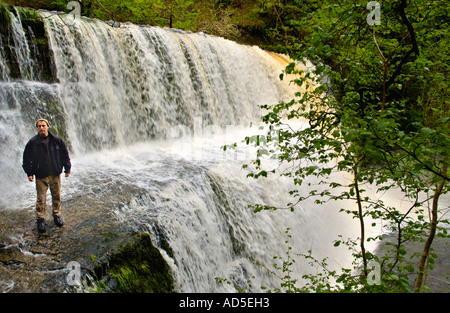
x,y
45,156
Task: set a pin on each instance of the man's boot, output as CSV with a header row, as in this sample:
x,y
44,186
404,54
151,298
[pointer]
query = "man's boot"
x,y
58,221
40,225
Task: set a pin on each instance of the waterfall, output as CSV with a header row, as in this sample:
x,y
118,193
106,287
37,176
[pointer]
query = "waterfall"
x,y
142,81
144,110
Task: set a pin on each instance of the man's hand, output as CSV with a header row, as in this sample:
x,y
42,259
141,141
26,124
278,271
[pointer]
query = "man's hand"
x,y
67,174
31,178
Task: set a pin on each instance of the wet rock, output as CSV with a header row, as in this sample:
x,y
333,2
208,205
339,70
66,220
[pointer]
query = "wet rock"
x,y
91,236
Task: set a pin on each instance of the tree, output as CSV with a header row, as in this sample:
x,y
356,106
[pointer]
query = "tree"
x,y
375,109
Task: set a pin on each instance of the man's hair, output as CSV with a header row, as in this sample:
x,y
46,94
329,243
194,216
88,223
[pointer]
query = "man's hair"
x,y
42,120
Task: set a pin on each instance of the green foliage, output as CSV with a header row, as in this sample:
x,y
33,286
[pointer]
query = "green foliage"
x,y
170,13
265,23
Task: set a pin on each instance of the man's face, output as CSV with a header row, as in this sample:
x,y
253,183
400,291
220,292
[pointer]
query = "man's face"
x,y
42,128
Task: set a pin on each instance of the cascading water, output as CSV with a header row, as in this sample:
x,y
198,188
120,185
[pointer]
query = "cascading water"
x,y
145,110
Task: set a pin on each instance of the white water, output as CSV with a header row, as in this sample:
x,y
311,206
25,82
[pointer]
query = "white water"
x,y
148,109
200,207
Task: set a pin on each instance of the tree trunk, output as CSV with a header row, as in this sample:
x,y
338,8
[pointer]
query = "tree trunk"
x,y
361,220
426,248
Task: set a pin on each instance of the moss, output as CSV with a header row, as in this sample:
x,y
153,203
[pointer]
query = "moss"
x,y
137,267
5,20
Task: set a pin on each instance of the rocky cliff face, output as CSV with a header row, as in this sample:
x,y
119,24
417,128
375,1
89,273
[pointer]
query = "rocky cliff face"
x,y
35,37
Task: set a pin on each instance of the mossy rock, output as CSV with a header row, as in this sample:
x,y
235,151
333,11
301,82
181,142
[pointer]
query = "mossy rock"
x,y
37,40
138,267
33,26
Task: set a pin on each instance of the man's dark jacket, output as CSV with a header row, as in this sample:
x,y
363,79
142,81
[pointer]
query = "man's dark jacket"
x,y
36,159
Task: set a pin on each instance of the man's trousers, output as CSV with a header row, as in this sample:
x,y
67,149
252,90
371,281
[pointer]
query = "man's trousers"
x,y
42,185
